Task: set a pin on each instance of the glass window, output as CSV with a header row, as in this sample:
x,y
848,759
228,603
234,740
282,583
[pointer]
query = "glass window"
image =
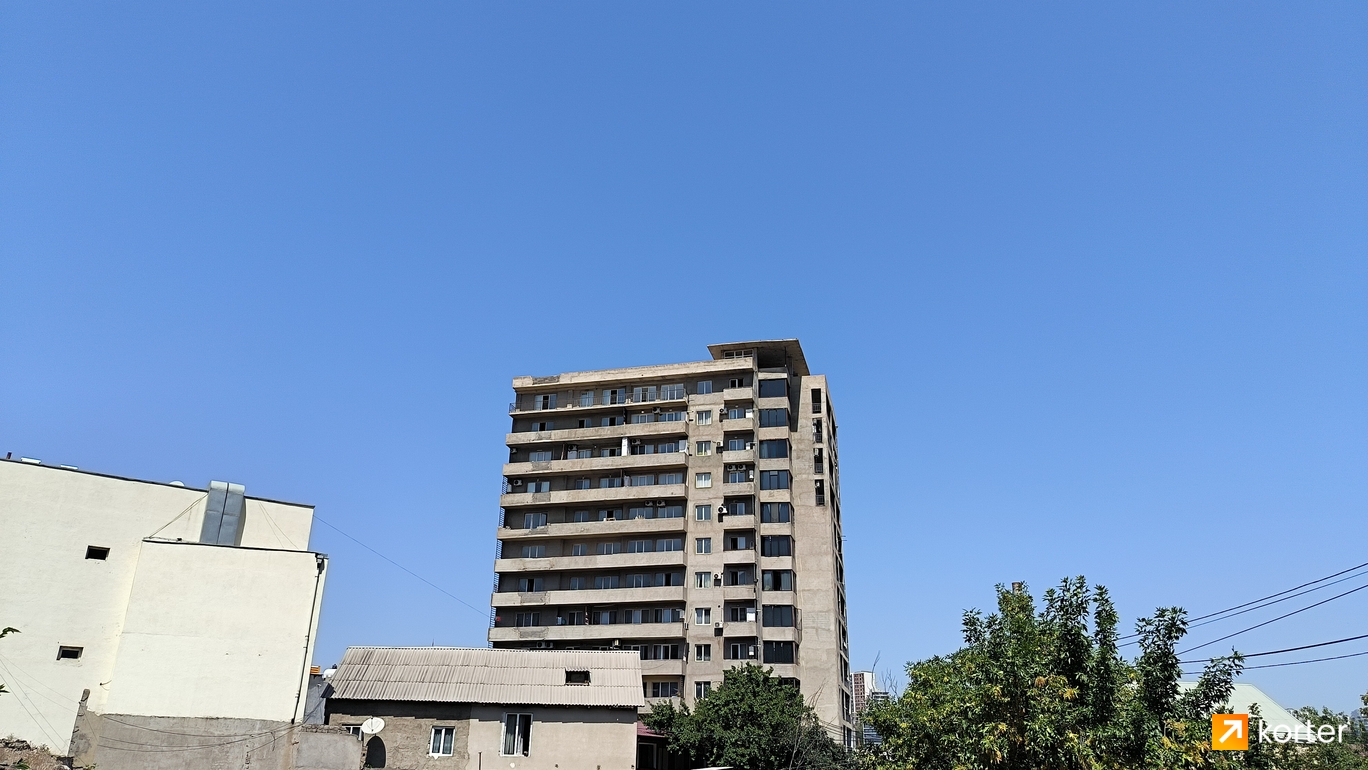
x,y
702,513
440,746
664,689
776,580
534,551
581,483
703,418
703,388
607,549
703,448
581,517
530,585
774,479
579,583
702,616
773,388
671,417
541,456
640,546
670,544
579,549
703,545
670,512
703,480
778,615
774,418
671,392
775,513
702,580
534,520
610,482
671,478
517,737
644,480
701,689
778,652
776,545
702,652
738,474
774,448
607,581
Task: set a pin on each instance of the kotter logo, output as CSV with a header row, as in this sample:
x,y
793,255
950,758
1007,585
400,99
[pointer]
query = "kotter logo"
x,y
1230,732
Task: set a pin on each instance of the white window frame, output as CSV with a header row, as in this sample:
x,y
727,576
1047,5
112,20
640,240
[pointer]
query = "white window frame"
x,y
702,616
702,513
702,545
522,738
444,747
702,481
703,417
703,448
702,653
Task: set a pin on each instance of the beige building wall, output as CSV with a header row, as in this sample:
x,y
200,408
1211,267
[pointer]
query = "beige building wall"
x,y
160,616
555,571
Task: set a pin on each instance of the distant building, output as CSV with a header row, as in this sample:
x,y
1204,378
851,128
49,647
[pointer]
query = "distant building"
x,y
155,617
865,686
689,512
457,708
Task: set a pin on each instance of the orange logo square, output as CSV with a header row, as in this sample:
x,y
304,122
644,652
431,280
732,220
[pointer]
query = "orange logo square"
x,y
1229,732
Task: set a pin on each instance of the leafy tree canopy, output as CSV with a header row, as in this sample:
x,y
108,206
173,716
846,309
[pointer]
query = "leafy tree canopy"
x,y
753,721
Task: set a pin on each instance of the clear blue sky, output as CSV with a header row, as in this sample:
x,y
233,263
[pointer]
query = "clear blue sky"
x,y
1089,280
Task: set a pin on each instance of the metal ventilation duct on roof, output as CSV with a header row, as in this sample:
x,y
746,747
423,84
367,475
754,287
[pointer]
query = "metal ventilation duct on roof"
x,y
224,514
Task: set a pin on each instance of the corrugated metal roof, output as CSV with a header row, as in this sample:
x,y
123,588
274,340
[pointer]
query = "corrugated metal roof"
x,y
479,675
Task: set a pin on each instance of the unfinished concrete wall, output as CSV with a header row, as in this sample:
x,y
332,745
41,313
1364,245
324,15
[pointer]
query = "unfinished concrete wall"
x,y
129,742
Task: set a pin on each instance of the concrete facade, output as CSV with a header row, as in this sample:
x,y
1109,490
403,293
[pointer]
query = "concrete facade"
x,y
690,512
126,615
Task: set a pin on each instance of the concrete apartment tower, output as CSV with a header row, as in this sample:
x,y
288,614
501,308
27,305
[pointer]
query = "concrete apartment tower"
x,y
689,512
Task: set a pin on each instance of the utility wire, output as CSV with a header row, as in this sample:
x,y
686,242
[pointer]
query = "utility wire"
x,y
1265,598
1275,601
1313,660
483,613
1289,649
1274,620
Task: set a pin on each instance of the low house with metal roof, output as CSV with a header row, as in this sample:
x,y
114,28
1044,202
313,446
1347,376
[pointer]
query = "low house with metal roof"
x,y
421,708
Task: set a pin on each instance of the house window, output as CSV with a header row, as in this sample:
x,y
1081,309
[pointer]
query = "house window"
x,y
640,546
736,443
534,520
702,513
740,577
703,545
774,418
819,491
703,388
517,735
773,388
640,513
579,583
664,689
776,580
586,398
740,651
69,653
671,512
778,652
602,582
581,483
701,689
738,543
530,585
703,480
671,392
738,474
644,480
577,677
816,430
538,486
776,545
738,413
534,552
670,544
543,426
703,652
96,552
703,418
608,549
816,400
608,422
527,619
643,394
702,615
773,449
817,464
774,479
702,579
671,478
618,396
741,613
581,517
545,402
641,580
703,448
610,482
775,513
540,456
778,615
739,507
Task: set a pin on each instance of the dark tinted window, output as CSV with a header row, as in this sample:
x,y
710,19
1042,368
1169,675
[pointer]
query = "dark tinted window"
x,y
778,615
774,479
774,418
776,545
773,388
774,513
778,652
777,580
774,448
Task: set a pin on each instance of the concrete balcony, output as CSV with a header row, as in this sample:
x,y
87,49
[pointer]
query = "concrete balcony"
x,y
573,497
660,667
739,629
744,489
606,634
614,433
590,597
739,593
776,562
732,395
738,456
645,562
595,529
596,464
783,634
738,423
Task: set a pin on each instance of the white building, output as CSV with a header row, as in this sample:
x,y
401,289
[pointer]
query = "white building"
x,y
153,615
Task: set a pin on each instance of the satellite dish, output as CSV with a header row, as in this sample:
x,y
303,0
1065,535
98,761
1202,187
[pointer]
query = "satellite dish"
x,y
373,725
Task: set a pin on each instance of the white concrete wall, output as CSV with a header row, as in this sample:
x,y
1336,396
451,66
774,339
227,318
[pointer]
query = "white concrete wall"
x,y
55,596
216,631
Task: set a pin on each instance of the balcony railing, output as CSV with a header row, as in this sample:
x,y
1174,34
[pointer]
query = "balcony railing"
x,y
613,398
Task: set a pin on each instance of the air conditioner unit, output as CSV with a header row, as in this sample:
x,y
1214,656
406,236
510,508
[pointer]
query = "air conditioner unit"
x,y
649,504
752,651
516,482
721,510
656,410
750,444
660,503
718,624
543,645
636,442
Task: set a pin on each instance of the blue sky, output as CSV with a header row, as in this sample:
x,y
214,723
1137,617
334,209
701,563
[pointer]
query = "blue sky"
x,y
1089,281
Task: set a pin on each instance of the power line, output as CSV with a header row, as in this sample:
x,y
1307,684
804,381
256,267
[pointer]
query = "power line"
x,y
1275,601
483,613
1289,649
1313,660
1265,598
1274,620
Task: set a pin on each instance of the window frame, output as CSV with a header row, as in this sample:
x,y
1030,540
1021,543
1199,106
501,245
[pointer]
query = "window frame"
x,y
521,745
445,747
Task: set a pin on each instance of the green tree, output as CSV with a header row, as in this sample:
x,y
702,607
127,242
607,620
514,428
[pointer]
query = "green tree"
x,y
1049,690
753,721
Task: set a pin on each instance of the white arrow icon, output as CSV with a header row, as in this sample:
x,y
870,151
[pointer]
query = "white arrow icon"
x,y
1236,728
